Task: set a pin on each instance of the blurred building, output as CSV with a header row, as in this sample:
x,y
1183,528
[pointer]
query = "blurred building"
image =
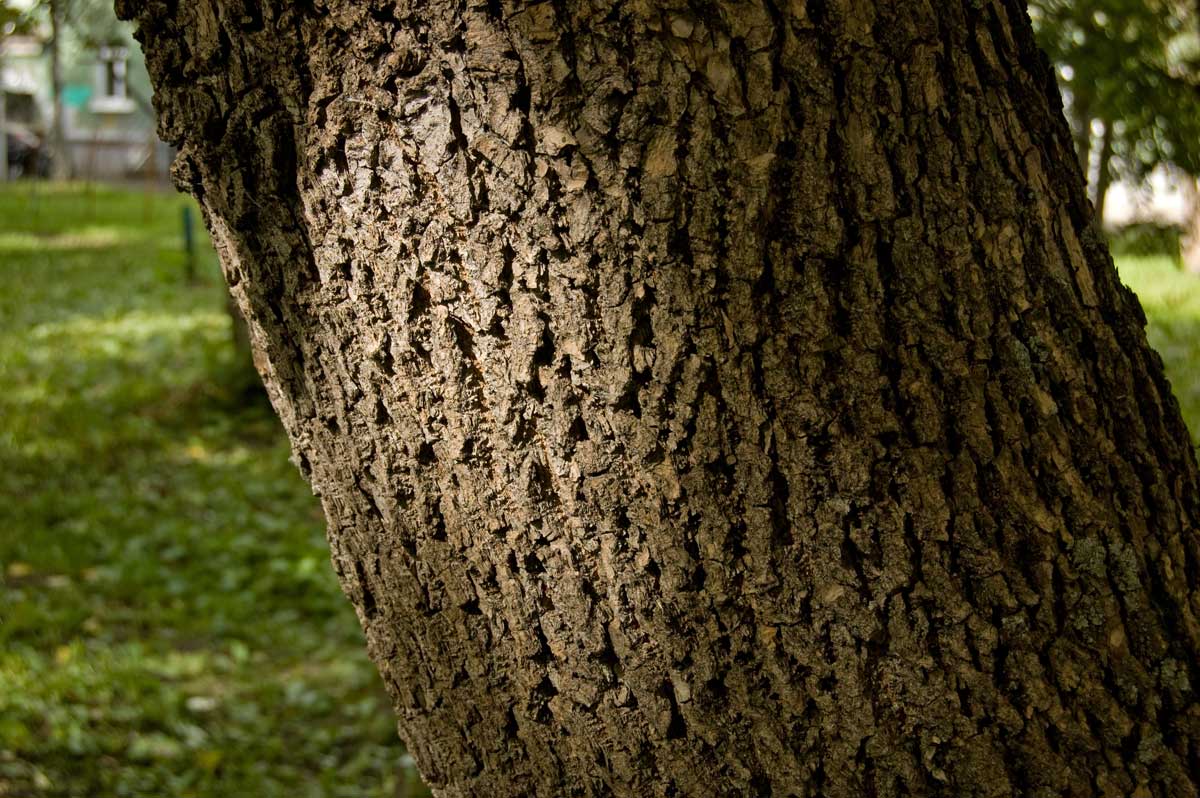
x,y
108,121
1164,198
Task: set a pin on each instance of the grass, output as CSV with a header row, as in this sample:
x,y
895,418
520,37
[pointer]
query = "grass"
x,y
1171,299
169,622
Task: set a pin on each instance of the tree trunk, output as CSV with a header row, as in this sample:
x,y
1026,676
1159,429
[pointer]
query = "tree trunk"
x,y
1081,132
707,399
1104,170
1189,242
60,159
3,109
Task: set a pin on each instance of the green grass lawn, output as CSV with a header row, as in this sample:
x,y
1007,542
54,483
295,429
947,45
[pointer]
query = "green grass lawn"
x,y
169,622
1171,299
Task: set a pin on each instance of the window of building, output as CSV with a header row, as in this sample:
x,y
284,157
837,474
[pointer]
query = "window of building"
x,y
112,89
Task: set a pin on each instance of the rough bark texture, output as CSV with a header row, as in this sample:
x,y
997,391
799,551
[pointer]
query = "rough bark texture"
x,y
727,398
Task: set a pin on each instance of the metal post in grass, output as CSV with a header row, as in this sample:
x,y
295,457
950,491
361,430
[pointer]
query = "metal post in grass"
x,y
189,245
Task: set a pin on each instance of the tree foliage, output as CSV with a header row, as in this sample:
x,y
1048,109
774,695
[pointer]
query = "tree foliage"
x,y
13,19
1133,66
91,22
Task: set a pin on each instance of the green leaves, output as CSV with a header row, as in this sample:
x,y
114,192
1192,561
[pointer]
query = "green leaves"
x,y
1132,64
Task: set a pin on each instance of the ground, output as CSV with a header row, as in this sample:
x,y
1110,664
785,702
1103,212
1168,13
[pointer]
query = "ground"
x,y
169,622
1171,299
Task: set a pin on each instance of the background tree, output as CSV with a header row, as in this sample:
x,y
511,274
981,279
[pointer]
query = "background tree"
x,y
722,399
8,23
10,15
1129,68
60,159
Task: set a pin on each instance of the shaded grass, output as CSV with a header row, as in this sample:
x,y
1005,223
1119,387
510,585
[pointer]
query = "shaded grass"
x,y
169,622
1171,299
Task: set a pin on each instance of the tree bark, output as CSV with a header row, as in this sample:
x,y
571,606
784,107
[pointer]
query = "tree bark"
x,y
3,105
60,160
707,399
1189,242
1104,170
1081,132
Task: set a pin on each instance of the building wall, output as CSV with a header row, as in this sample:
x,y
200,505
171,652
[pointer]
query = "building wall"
x,y
1161,199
